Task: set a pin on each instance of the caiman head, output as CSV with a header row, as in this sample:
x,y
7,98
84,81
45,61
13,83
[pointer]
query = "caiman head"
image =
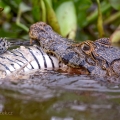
x,y
39,30
89,55
99,55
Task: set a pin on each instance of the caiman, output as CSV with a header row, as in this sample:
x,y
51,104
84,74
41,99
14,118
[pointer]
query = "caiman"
x,y
98,57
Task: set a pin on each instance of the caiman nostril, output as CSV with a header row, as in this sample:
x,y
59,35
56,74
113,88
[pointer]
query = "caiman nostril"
x,y
91,68
82,63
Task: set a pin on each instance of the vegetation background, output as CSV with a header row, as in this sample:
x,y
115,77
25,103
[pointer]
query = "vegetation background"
x,y
75,19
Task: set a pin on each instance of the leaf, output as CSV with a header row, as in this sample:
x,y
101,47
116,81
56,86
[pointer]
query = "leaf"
x,y
14,4
105,8
43,17
67,19
115,4
100,21
115,37
82,4
82,19
36,10
24,8
81,10
51,17
49,2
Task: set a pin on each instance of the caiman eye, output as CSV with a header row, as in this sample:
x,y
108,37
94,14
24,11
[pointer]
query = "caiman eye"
x,y
85,47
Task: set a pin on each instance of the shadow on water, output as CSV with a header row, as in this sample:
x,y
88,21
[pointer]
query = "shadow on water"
x,y
49,95
56,96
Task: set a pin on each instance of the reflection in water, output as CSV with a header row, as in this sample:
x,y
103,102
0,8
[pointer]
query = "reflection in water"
x,y
56,96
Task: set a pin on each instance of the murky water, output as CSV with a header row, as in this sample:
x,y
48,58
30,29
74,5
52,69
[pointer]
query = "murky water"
x,y
50,95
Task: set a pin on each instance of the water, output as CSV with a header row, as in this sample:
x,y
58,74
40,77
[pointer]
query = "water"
x,y
50,95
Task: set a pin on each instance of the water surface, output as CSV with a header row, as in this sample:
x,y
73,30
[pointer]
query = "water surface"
x,y
49,95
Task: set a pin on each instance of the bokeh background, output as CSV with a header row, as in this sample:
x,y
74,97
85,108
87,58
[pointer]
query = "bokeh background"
x,y
76,19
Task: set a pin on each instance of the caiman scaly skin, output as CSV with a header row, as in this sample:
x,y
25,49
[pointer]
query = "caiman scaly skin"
x,y
98,57
53,43
4,44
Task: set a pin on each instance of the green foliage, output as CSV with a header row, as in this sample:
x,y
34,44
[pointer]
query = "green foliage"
x,y
115,4
51,17
100,21
36,10
82,16
81,7
67,19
